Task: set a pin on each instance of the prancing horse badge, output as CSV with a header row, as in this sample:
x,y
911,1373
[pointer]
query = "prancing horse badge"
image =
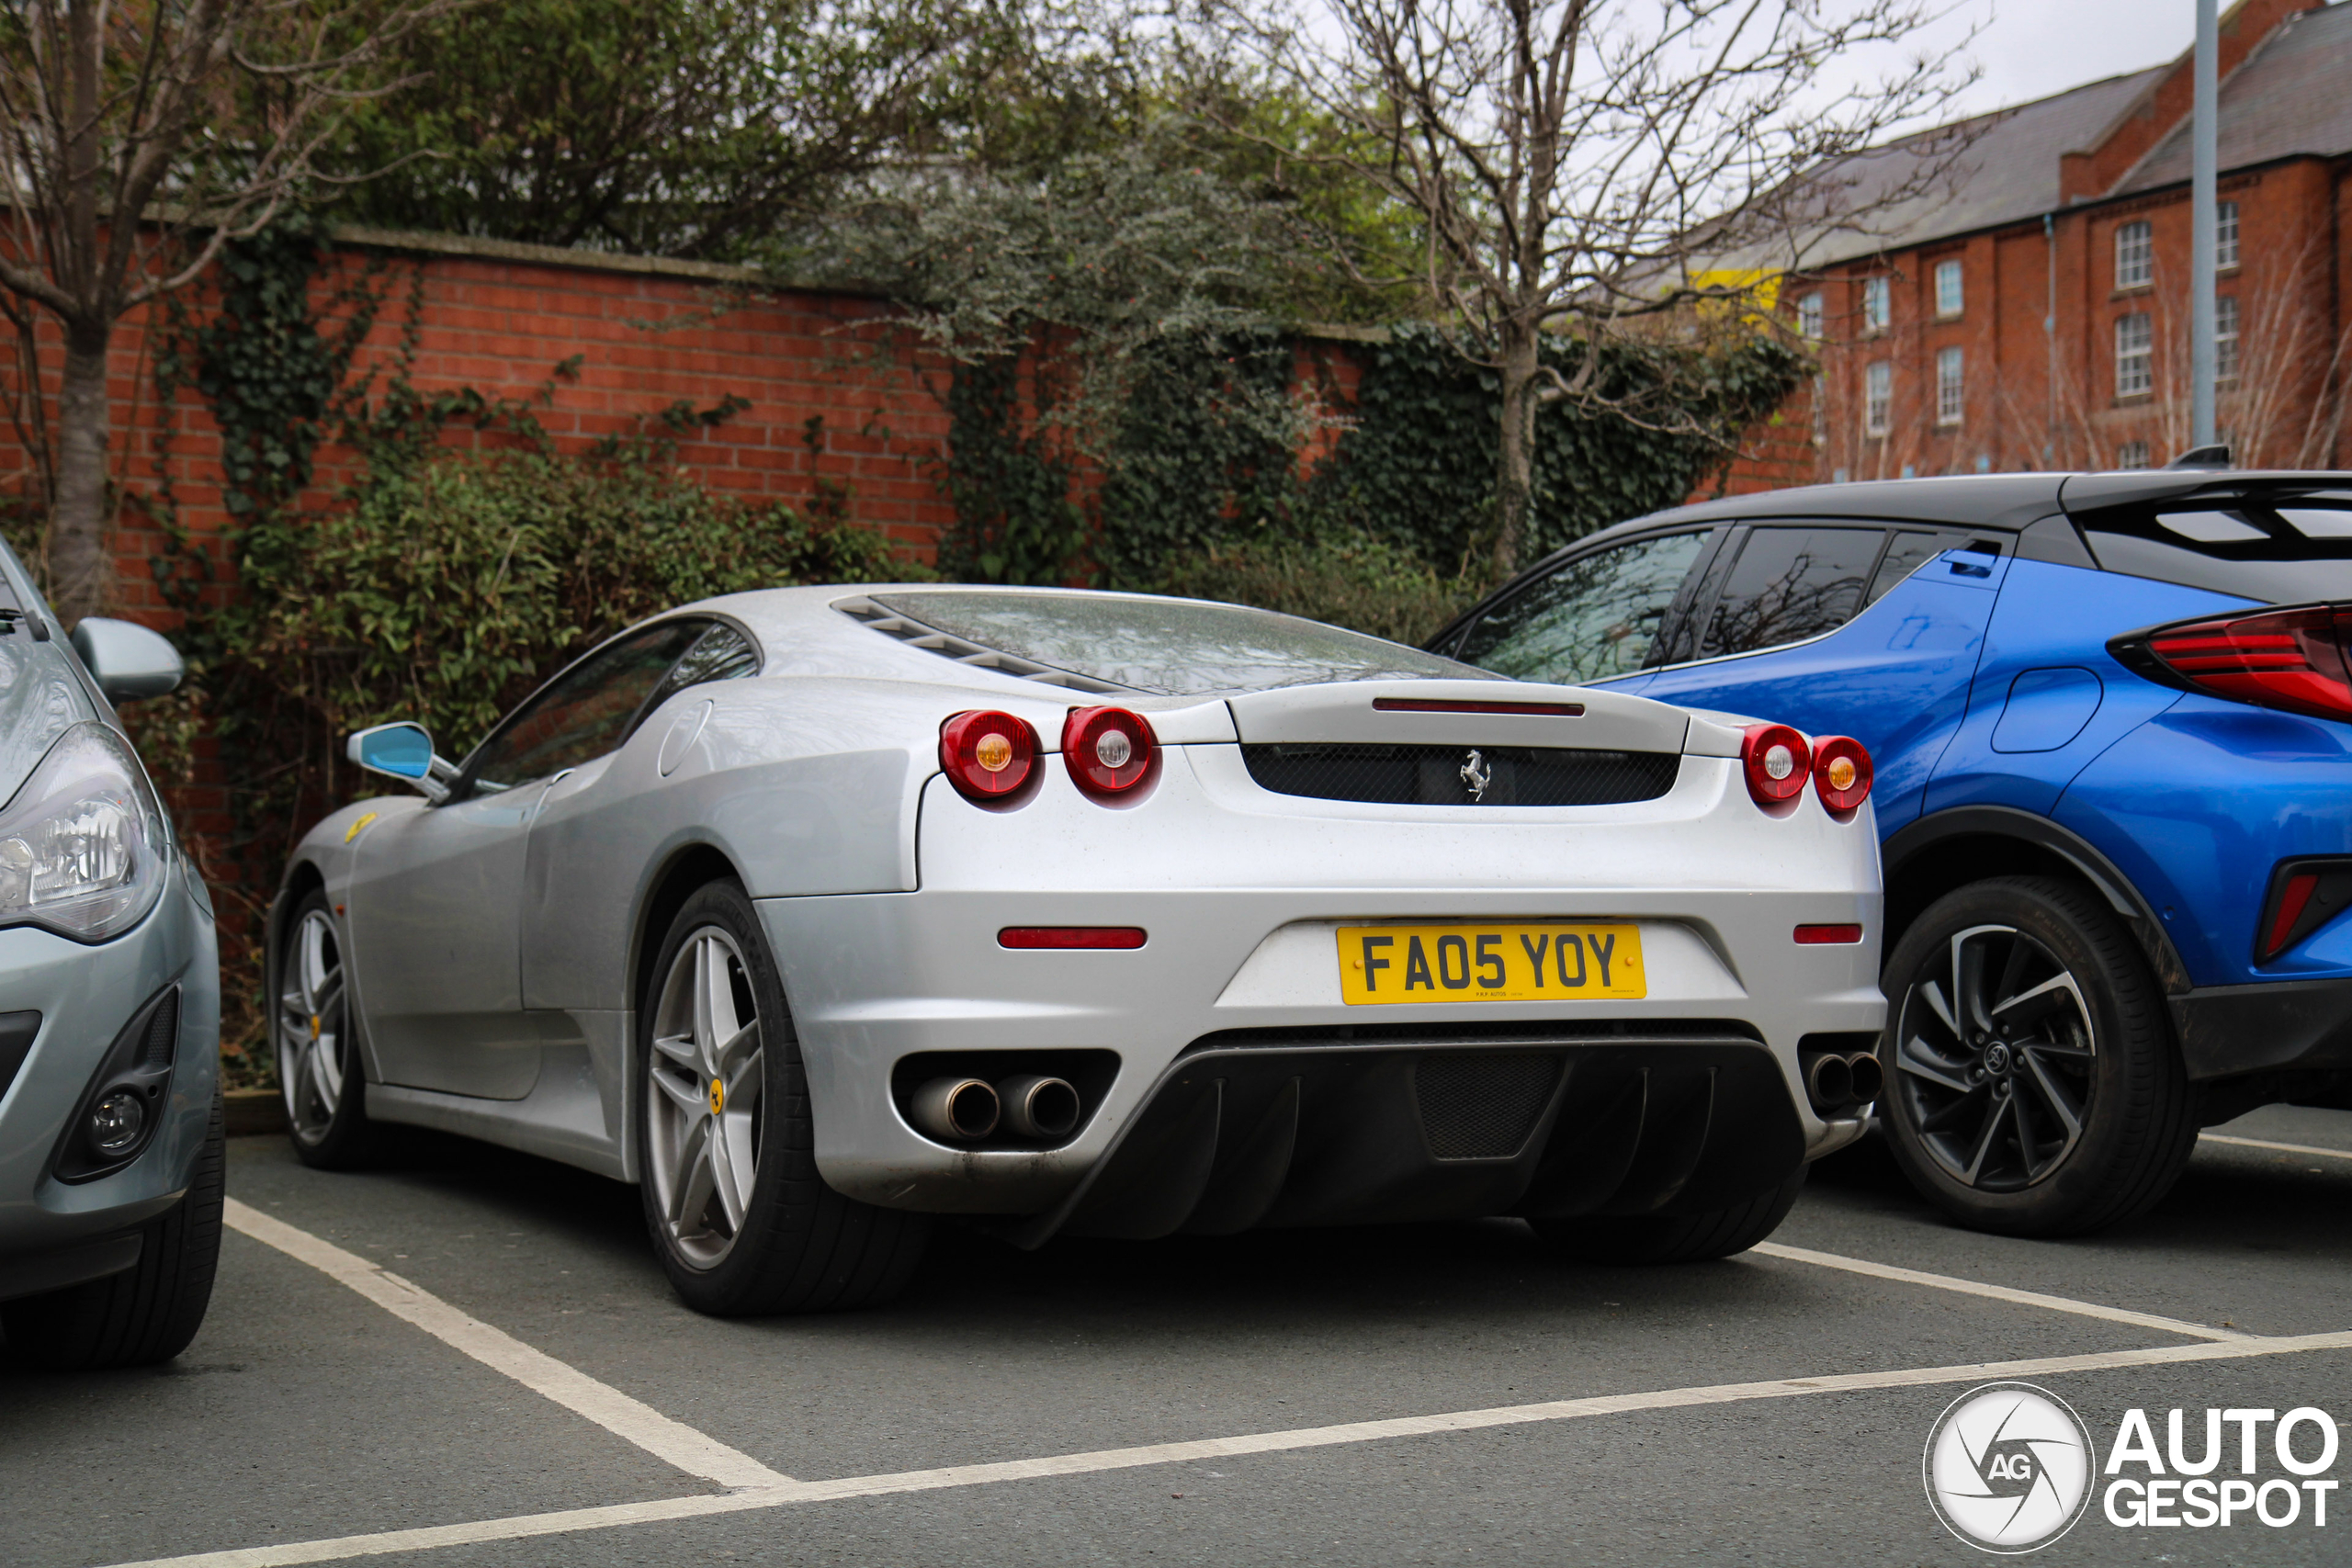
x,y
1477,777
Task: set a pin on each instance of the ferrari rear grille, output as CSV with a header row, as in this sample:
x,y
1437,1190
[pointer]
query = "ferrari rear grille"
x,y
1482,1107
1461,776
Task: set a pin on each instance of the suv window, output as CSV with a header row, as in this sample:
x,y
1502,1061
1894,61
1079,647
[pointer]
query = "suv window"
x,y
1596,617
583,712
1908,552
1791,583
2281,550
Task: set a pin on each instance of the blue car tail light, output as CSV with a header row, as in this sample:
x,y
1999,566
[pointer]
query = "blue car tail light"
x,y
2304,896
2291,658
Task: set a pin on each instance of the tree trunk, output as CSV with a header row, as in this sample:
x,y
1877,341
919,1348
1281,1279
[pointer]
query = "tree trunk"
x,y
81,571
1515,453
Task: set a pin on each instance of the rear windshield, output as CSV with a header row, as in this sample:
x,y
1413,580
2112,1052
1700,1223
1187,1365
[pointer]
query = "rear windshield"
x,y
1171,646
2278,550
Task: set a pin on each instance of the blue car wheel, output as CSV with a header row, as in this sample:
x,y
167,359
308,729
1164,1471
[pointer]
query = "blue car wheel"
x,y
2032,1087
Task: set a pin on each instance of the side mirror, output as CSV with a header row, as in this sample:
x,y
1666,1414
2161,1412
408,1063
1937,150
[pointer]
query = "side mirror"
x,y
128,661
401,751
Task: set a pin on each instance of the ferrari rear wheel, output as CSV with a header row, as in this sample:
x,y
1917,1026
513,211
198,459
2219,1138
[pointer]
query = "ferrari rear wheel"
x,y
318,1059
1675,1238
743,1221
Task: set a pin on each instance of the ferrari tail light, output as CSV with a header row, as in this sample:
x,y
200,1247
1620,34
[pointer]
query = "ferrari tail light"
x,y
2304,896
987,756
2292,659
1777,761
1110,752
1841,772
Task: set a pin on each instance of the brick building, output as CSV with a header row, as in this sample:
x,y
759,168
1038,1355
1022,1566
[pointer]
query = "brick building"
x,y
2034,312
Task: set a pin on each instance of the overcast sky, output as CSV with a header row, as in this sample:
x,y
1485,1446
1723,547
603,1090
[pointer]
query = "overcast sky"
x,y
2030,48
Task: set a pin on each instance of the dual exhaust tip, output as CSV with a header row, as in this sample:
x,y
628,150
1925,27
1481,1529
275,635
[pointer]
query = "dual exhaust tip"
x,y
1836,1081
966,1109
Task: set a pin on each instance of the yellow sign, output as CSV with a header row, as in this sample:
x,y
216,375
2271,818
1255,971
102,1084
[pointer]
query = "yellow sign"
x,y
1553,963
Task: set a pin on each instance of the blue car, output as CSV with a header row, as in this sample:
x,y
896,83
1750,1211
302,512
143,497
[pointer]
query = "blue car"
x,y
2110,716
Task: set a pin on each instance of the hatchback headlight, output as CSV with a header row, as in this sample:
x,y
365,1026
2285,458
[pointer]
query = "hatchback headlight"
x,y
82,845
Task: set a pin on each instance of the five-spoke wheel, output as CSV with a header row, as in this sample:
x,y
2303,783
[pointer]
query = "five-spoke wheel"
x,y
317,1048
2032,1083
704,1076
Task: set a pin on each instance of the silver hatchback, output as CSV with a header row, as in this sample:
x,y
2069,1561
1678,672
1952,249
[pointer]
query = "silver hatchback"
x,y
110,1120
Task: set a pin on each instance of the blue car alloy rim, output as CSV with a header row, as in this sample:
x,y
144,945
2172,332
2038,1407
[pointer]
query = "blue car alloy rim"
x,y
702,1113
1993,1060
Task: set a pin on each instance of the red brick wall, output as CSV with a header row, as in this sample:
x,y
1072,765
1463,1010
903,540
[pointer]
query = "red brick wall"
x,y
501,323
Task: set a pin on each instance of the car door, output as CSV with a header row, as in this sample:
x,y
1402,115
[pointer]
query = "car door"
x,y
435,898
1845,628
1596,618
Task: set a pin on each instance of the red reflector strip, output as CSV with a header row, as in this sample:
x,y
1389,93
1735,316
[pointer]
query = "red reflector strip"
x,y
1431,704
1828,936
2292,899
1070,936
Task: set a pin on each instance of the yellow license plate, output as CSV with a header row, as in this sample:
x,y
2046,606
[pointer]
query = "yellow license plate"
x,y
1567,963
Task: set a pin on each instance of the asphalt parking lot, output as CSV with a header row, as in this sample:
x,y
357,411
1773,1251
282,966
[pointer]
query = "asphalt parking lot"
x,y
478,1346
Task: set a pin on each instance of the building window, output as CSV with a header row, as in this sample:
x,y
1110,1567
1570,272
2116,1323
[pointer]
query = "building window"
x,y
1878,399
2135,255
2134,356
1809,316
2131,455
1878,304
1949,400
2225,338
1948,296
2225,234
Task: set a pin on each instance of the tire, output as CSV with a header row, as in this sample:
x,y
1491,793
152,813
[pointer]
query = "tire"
x,y
722,1086
1674,1238
319,1067
2065,1112
149,1311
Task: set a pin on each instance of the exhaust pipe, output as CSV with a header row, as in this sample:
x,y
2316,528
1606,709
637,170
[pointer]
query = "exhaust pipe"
x,y
954,1110
1828,1082
1867,1078
1037,1106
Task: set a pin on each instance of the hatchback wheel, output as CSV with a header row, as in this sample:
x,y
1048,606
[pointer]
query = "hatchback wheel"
x,y
743,1221
318,1057
2032,1083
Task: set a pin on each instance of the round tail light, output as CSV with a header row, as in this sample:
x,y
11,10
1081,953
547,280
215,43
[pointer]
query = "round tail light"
x,y
1841,772
1777,761
1109,751
987,756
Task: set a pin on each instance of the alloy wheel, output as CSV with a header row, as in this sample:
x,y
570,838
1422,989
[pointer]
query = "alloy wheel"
x,y
703,1105
1993,1060
311,1060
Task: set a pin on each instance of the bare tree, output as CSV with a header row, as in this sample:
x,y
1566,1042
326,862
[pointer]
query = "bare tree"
x,y
1588,165
142,136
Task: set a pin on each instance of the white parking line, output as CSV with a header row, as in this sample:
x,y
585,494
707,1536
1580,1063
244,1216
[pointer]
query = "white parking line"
x,y
1999,1292
796,1492
574,1390
2276,1148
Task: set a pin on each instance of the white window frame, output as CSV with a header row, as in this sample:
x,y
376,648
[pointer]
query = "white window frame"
x,y
2131,455
2225,236
1950,285
2135,355
1878,303
2135,253
1951,385
1878,398
1809,315
2227,339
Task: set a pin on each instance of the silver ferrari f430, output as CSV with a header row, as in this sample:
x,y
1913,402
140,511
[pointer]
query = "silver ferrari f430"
x,y
819,912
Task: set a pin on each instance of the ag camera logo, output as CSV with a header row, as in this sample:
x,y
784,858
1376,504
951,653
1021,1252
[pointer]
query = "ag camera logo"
x,y
2008,1468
